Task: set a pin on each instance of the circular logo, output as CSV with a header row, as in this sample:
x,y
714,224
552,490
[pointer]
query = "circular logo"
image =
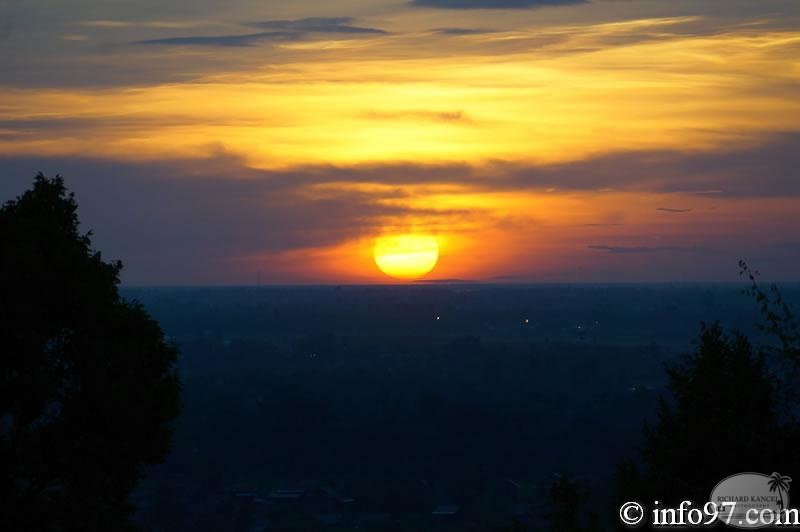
x,y
755,495
631,513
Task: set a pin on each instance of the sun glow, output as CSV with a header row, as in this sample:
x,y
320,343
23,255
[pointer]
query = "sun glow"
x,y
582,144
408,256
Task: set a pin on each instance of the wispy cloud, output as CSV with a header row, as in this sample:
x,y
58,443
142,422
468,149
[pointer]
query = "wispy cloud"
x,y
603,225
493,4
462,31
758,169
434,116
639,249
319,25
152,24
278,31
671,210
249,39
206,213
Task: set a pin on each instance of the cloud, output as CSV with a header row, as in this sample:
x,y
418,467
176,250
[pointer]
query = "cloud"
x,y
432,116
764,167
319,25
462,31
493,4
638,249
249,39
757,168
278,31
452,280
154,24
164,218
175,221
668,209
603,225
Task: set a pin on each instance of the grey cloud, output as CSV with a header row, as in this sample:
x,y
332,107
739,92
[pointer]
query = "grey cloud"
x,y
760,169
603,225
764,170
65,125
767,169
493,4
278,30
671,210
157,217
451,280
319,25
249,39
462,31
160,215
638,249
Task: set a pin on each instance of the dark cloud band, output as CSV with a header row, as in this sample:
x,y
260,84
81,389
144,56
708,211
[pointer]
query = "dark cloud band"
x,y
493,4
639,249
278,31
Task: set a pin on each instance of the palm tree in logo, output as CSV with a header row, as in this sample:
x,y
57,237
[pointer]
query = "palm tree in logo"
x,y
780,485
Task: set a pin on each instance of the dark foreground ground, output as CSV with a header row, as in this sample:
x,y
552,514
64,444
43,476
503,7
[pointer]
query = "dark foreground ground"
x,y
411,407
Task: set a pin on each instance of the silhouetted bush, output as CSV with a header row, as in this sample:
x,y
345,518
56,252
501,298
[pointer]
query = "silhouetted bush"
x,y
88,387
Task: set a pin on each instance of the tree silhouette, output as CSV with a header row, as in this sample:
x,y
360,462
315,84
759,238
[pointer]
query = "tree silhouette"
x,y
568,510
88,386
779,484
733,408
780,325
719,421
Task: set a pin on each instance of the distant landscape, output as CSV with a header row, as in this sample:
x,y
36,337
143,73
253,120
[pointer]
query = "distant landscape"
x,y
379,406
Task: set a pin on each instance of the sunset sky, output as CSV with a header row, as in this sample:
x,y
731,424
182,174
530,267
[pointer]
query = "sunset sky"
x,y
536,140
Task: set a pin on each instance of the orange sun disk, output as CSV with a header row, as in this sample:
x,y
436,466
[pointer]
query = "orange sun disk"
x,y
407,256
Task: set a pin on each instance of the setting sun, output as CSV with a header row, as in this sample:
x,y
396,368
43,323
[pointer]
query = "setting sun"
x,y
407,256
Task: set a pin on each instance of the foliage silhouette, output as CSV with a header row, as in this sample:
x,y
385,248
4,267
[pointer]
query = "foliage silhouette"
x,y
568,507
722,420
734,409
780,325
88,386
780,320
